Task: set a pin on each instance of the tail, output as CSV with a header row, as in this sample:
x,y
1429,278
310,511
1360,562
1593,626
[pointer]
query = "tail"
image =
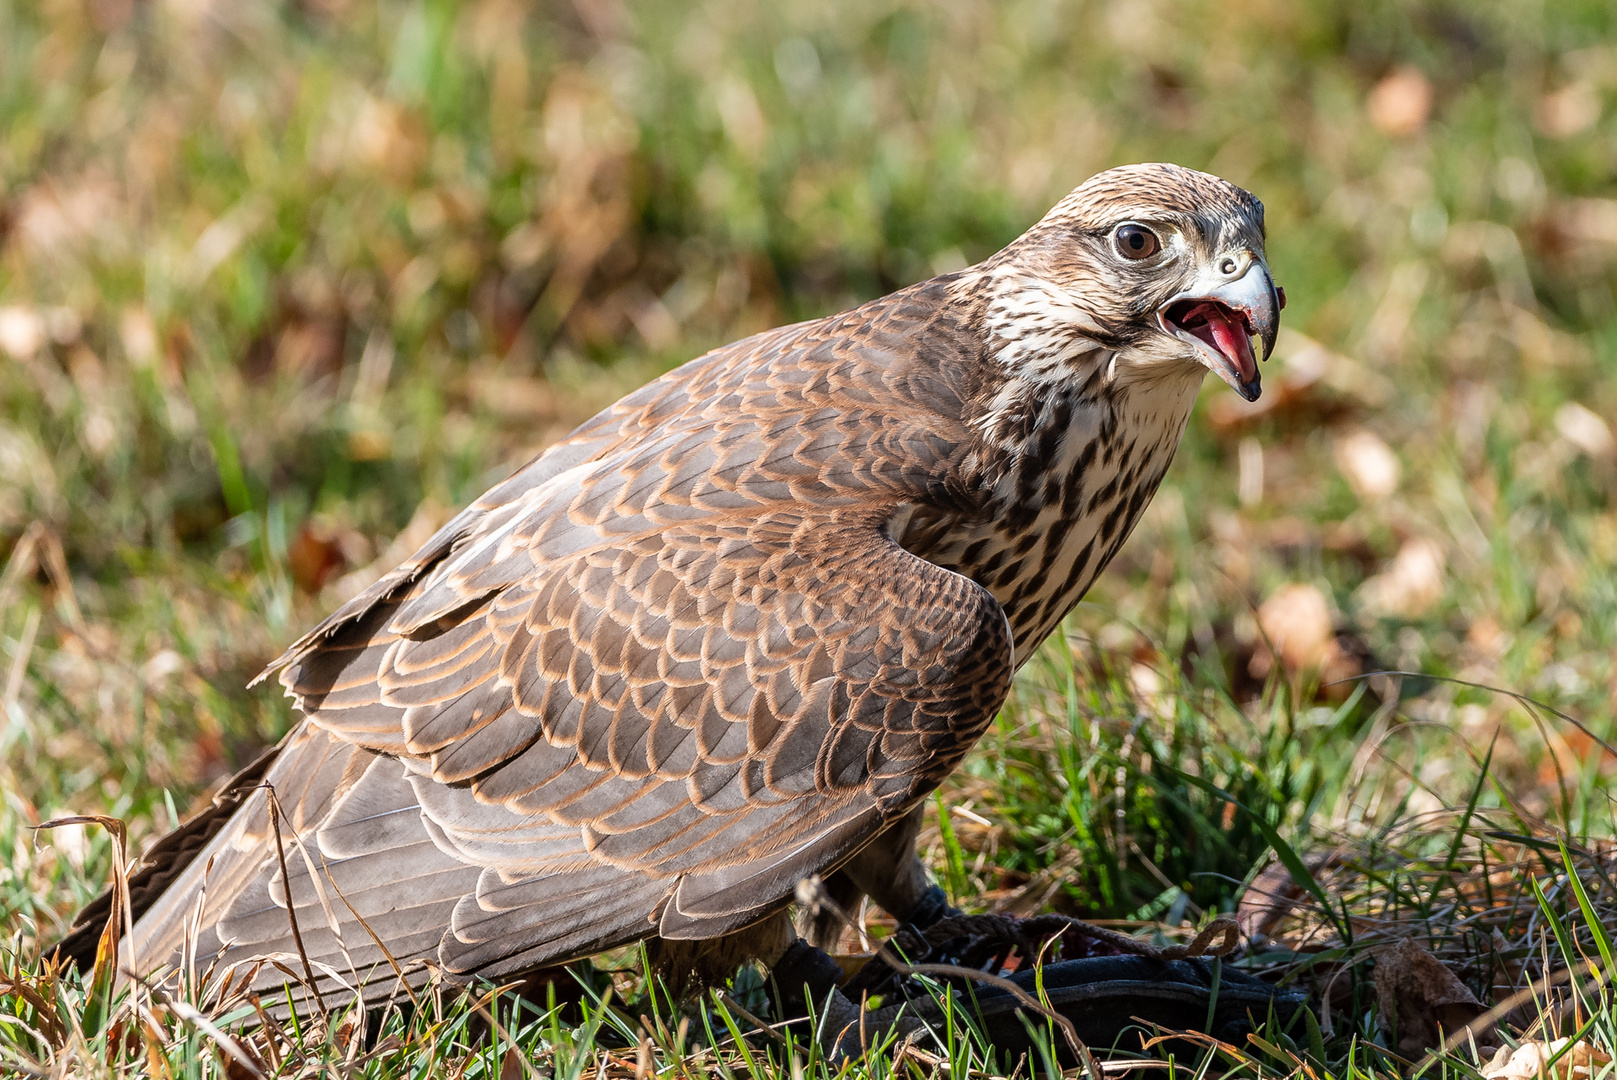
x,y
165,862
314,876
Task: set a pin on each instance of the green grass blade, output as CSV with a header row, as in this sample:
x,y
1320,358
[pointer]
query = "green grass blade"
x,y
1471,804
1557,924
1283,851
1597,928
954,857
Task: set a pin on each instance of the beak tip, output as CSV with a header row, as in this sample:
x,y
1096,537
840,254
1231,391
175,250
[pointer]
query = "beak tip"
x,y
1252,389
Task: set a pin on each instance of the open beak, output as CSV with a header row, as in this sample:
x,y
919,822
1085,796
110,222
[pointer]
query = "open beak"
x,y
1220,323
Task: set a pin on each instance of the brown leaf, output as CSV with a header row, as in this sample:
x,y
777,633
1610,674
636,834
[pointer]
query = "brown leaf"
x,y
1369,465
1400,103
1569,111
248,1067
1297,622
1585,429
22,331
313,556
1273,894
1410,585
1422,1001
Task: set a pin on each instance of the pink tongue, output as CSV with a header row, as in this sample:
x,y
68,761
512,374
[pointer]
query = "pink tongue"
x,y
1232,341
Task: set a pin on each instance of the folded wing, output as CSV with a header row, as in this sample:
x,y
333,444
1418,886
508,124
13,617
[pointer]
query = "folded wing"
x,y
643,687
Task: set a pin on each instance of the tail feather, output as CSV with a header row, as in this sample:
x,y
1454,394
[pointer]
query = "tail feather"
x,y
387,898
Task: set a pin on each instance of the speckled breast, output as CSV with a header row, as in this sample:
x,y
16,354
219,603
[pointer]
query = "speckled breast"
x,y
1056,514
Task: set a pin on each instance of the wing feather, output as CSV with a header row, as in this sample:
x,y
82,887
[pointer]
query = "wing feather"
x,y
645,685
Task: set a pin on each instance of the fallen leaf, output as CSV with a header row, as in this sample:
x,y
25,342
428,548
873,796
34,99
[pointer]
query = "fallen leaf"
x,y
1585,430
1400,103
1569,111
1579,232
386,136
321,549
1422,1001
1531,1061
312,557
1369,465
1411,585
248,1067
22,331
429,516
1297,622
1487,637
1273,894
163,663
139,335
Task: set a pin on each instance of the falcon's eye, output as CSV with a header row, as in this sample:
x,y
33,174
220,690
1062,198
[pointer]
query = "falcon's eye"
x,y
1136,242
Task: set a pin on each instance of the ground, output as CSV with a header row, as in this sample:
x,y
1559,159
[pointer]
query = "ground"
x,y
282,285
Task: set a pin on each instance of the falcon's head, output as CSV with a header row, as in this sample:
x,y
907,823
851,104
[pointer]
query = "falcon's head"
x,y
1162,265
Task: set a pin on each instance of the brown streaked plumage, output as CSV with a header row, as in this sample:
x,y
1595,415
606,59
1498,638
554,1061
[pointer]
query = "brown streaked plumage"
x,y
733,628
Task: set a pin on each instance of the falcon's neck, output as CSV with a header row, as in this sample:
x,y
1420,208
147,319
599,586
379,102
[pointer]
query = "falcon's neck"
x,y
1072,440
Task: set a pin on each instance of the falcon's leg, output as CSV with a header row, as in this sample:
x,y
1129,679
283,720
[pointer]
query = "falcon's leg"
x,y
824,928
695,964
889,872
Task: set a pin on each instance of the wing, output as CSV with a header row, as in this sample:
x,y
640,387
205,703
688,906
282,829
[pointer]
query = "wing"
x,y
646,685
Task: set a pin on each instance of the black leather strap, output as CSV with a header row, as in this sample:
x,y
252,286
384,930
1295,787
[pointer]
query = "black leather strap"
x,y
933,905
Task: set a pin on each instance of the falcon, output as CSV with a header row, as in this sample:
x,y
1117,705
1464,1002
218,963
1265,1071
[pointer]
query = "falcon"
x,y
728,634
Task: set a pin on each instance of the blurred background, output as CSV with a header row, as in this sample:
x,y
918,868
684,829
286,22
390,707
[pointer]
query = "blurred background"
x,y
282,285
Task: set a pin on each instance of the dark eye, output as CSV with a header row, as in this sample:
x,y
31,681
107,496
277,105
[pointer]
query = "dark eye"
x,y
1136,242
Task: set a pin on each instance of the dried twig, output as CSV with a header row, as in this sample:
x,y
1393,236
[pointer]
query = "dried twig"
x,y
291,907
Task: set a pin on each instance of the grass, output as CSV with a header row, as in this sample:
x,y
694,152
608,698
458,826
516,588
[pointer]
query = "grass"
x,y
281,286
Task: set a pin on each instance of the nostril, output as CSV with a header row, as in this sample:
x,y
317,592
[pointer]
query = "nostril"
x,y
1227,266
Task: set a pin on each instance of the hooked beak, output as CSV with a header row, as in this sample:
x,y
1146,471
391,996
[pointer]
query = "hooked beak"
x,y
1220,323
